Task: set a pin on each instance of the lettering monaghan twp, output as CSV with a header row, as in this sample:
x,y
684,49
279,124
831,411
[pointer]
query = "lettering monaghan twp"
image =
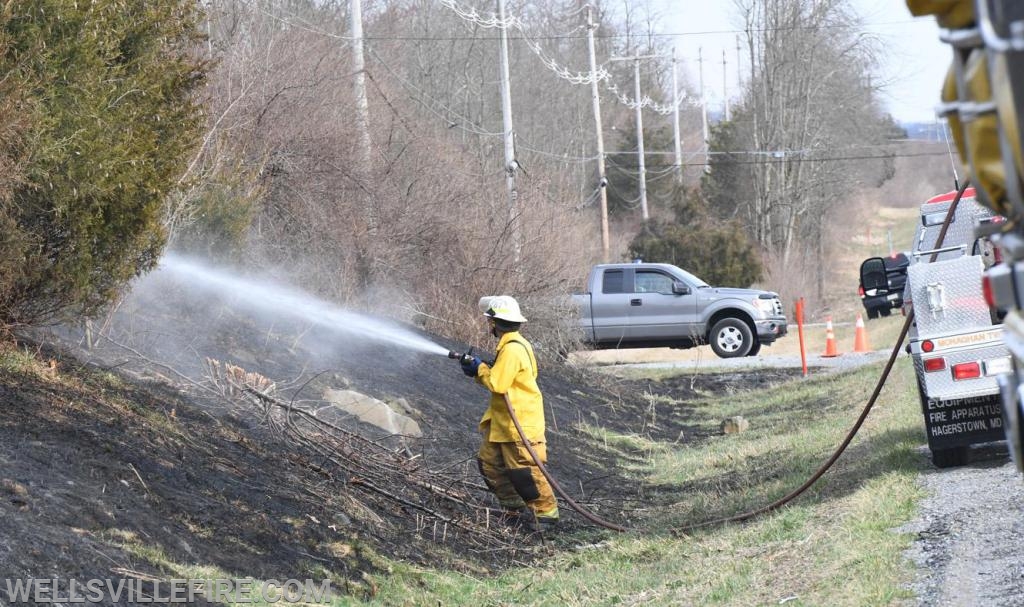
x,y
186,591
973,338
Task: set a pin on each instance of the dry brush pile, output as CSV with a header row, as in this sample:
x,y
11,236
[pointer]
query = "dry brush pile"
x,y
437,504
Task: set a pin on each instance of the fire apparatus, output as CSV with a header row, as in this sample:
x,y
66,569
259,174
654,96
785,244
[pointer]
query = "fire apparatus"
x,y
955,341
983,101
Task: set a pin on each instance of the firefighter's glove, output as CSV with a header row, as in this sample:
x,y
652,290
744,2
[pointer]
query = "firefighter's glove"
x,y
470,365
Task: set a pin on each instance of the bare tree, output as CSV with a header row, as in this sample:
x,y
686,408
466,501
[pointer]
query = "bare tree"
x,y
282,143
807,113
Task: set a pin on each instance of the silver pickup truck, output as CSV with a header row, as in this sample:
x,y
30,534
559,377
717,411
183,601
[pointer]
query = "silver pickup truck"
x,y
642,305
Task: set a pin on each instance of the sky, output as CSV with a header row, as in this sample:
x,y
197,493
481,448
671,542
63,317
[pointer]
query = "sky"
x,y
913,65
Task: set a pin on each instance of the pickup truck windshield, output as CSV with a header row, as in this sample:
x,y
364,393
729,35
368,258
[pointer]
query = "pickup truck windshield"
x,y
700,284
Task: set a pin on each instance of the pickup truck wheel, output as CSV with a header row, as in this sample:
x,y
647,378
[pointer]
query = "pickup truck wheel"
x,y
731,338
872,313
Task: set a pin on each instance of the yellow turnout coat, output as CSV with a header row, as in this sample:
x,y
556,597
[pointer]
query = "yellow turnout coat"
x,y
514,373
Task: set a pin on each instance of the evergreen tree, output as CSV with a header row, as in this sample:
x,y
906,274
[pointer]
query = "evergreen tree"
x,y
720,252
12,150
112,125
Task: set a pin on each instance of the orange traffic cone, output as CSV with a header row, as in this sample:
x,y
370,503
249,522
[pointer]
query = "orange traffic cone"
x,y
830,340
860,337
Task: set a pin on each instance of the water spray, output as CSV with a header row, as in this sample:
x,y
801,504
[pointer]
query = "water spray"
x,y
261,296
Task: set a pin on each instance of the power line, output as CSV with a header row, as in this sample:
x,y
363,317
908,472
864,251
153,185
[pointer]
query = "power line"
x,y
300,23
461,123
773,159
646,35
303,24
470,15
556,155
450,115
775,153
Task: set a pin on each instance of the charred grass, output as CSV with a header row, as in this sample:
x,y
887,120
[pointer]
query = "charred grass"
x,y
127,480
831,546
107,475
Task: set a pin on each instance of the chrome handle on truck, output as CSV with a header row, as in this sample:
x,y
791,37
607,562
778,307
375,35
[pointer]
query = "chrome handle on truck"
x,y
962,247
636,302
936,298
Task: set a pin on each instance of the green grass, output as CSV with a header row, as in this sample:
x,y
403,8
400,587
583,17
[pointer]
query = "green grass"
x,y
18,360
835,545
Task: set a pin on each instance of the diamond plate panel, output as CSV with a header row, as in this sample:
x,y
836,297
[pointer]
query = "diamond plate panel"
x,y
961,230
947,296
941,385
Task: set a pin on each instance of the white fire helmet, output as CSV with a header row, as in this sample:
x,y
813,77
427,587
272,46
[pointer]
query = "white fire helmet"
x,y
502,307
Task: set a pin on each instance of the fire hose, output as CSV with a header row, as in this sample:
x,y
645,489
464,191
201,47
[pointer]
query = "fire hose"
x,y
867,408
813,478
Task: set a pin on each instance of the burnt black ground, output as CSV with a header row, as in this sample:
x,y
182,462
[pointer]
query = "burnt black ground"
x,y
112,448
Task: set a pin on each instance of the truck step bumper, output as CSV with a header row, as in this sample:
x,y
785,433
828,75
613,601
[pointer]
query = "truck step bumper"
x,y
770,330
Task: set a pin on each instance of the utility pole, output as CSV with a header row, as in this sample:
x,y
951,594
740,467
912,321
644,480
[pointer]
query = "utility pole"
x,y
640,140
510,150
639,128
362,109
725,86
675,118
739,74
359,84
602,182
703,108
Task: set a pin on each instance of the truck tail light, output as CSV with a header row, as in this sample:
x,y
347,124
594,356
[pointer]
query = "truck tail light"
x,y
927,345
966,371
986,290
860,291
932,365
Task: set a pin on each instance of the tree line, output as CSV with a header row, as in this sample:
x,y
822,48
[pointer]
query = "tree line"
x,y
229,129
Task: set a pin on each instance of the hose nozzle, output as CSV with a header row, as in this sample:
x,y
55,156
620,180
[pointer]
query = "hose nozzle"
x,y
462,358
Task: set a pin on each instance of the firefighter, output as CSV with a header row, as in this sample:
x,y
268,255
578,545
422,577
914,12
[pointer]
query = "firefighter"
x,y
505,463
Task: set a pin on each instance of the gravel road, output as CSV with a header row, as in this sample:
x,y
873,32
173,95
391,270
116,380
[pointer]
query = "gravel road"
x,y
769,361
969,547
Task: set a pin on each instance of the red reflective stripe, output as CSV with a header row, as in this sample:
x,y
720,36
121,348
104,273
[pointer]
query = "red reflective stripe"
x,y
934,364
948,196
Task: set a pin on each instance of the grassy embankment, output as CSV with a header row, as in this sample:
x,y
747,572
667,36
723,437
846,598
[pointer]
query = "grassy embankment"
x,y
832,546
835,545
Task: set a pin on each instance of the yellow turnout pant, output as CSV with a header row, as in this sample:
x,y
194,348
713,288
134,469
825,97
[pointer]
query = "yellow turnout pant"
x,y
514,478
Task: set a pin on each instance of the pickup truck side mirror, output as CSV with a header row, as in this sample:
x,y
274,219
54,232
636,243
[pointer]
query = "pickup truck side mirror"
x,y
680,288
873,275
